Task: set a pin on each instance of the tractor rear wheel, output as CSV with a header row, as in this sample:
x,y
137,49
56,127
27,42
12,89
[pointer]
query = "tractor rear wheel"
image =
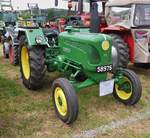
x,y
32,65
13,55
65,100
122,57
128,89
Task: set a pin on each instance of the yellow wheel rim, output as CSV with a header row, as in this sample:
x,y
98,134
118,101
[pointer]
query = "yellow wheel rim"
x,y
121,93
25,62
60,101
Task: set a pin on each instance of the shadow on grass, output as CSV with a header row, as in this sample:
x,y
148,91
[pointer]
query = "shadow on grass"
x,y
140,70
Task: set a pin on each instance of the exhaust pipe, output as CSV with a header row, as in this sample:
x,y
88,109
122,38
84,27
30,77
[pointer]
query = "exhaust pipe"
x,y
95,19
80,6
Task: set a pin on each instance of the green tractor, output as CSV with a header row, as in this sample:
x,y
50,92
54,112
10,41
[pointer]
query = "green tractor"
x,y
36,13
83,59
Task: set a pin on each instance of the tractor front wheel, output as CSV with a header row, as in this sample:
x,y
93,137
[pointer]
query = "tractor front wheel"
x,y
121,58
65,100
13,55
32,65
128,88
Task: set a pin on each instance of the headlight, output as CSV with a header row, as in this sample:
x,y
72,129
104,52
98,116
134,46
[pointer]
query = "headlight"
x,y
39,39
105,45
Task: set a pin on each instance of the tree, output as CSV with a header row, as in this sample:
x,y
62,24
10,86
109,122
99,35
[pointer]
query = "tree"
x,y
25,15
50,14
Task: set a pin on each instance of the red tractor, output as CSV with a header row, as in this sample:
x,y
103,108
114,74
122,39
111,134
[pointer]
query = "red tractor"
x,y
73,18
127,21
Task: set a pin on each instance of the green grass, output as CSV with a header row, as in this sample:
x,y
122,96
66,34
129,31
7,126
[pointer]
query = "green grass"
x,y
18,111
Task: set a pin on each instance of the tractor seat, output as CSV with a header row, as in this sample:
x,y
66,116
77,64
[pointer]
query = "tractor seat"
x,y
48,32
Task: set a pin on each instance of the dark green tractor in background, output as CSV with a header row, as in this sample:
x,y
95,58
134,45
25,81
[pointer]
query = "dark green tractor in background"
x,y
7,14
36,13
84,59
8,19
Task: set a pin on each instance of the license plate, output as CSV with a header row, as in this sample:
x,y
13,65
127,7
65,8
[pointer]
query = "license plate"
x,y
105,68
106,87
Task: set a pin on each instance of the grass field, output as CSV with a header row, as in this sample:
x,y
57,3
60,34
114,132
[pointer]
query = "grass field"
x,y
25,113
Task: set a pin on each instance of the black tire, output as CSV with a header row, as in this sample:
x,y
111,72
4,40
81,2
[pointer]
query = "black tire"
x,y
15,59
122,51
135,85
6,55
36,64
71,99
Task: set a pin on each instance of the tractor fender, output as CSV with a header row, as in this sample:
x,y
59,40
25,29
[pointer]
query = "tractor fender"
x,y
113,29
128,38
11,36
31,35
14,40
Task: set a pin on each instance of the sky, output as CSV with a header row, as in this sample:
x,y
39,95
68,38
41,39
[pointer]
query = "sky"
x,y
22,4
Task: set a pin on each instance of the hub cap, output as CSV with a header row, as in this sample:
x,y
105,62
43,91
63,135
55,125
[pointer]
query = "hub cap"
x,y
60,100
115,58
124,91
